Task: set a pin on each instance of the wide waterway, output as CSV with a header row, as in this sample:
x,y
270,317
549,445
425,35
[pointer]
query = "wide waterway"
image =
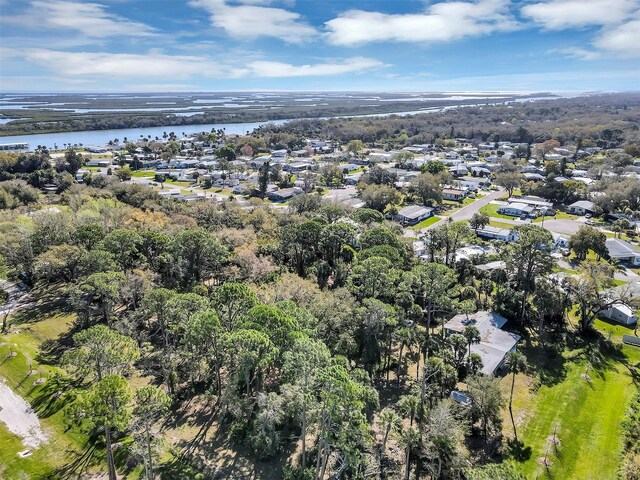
x,y
102,137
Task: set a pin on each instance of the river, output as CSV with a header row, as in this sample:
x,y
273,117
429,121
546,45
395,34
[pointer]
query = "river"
x,y
102,137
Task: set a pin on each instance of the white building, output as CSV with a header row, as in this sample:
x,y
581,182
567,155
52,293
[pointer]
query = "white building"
x,y
414,214
517,209
582,207
621,313
623,251
494,344
495,233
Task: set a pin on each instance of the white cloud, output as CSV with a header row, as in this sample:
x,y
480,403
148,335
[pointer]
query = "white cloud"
x,y
89,19
577,52
440,22
561,14
278,69
119,65
624,40
170,67
247,20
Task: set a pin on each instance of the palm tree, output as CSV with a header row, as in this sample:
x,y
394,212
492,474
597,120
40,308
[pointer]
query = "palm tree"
x,y
409,406
515,363
472,334
409,439
391,422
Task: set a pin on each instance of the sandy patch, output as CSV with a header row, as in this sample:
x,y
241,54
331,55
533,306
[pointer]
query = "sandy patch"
x,y
20,418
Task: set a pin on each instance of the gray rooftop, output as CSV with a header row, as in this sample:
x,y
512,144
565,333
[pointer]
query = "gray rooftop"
x,y
585,204
621,249
414,211
494,342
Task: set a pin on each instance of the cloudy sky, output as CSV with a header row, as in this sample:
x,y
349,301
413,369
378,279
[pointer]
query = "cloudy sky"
x,y
196,45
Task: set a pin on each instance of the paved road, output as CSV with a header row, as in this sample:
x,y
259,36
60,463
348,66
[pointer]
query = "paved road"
x,y
465,213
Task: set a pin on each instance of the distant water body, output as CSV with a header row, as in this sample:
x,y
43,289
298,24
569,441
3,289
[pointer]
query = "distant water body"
x,y
102,137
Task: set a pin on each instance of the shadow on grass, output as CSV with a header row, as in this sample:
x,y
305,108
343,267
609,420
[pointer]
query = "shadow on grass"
x,y
51,300
518,450
548,362
79,465
52,396
50,352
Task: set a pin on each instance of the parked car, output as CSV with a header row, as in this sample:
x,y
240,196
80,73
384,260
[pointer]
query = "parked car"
x,y
588,215
590,222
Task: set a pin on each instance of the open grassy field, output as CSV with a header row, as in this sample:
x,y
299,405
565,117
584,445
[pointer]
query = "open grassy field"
x,y
579,398
63,447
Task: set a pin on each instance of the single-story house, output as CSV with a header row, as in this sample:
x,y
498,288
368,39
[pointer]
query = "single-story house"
x,y
376,157
414,214
257,162
582,207
480,172
533,177
491,266
280,153
495,233
300,153
99,162
534,201
517,209
283,194
454,194
495,343
93,149
459,170
297,167
623,251
349,167
621,313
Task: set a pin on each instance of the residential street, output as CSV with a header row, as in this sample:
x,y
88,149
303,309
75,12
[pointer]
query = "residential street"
x,y
466,212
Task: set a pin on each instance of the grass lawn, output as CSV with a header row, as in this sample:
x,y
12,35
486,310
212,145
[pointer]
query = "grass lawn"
x,y
491,209
179,183
63,446
143,173
559,216
426,223
223,191
501,224
587,412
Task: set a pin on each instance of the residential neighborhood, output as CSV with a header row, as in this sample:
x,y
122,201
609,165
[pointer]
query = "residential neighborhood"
x,y
483,283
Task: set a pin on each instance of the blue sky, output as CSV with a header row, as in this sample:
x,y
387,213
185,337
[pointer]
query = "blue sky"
x,y
226,45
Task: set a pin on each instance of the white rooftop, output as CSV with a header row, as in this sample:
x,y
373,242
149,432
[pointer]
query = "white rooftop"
x,y
494,342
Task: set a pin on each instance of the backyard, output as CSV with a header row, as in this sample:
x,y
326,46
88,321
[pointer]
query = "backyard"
x,y
570,411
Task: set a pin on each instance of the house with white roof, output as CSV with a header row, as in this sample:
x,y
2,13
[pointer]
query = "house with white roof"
x,y
495,343
496,233
621,313
414,214
582,207
517,209
623,251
